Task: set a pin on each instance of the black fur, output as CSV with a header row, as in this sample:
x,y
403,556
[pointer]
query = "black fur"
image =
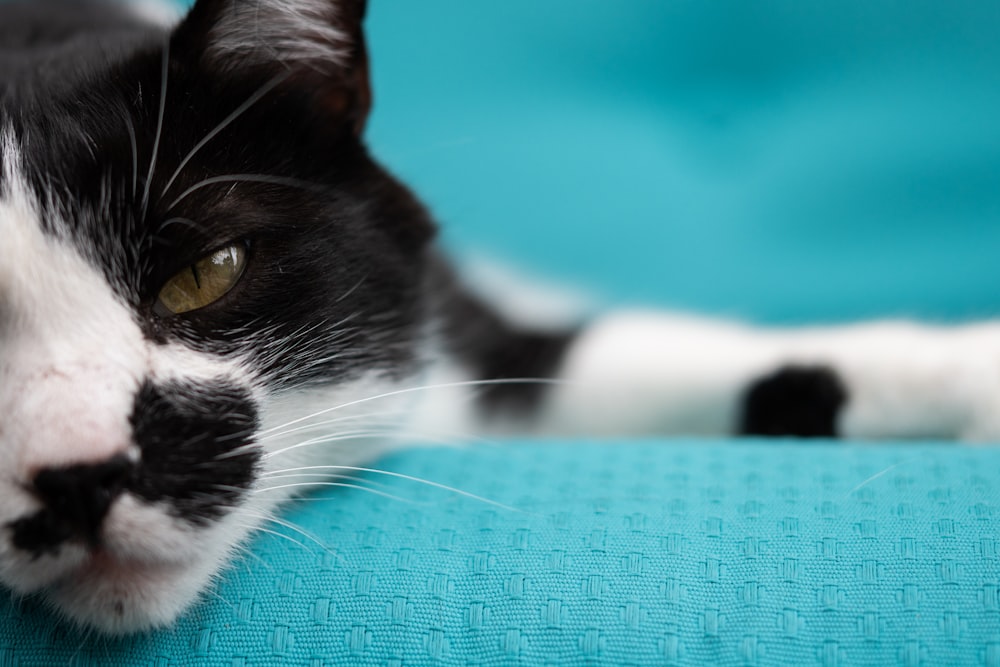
x,y
197,447
53,45
197,456
493,349
340,280
799,401
76,499
337,245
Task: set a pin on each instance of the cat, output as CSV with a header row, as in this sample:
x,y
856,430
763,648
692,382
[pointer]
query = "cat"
x,y
211,293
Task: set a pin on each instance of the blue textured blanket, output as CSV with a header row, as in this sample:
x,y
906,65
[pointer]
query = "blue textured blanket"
x,y
635,553
785,161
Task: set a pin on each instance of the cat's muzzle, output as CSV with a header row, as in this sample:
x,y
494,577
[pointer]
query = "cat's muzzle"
x,y
75,500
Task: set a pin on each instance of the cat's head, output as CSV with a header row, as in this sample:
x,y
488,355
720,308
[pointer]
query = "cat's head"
x,y
196,252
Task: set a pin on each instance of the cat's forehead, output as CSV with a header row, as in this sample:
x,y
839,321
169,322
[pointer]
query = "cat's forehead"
x,y
53,219
108,167
46,280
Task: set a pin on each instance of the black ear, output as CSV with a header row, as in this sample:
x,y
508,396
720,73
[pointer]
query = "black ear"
x,y
319,43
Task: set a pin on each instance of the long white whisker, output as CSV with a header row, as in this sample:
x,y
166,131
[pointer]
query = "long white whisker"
x,y
159,124
236,451
334,437
322,475
418,480
372,433
253,99
409,390
283,536
328,422
248,178
876,476
229,487
352,290
439,436
218,596
135,153
290,526
296,469
245,550
191,224
358,487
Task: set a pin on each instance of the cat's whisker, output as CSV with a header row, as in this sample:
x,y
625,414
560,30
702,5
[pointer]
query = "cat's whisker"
x,y
87,636
335,437
285,181
417,480
322,476
291,472
440,436
388,433
236,451
228,487
290,526
218,596
191,224
130,126
280,346
159,125
283,536
353,289
338,420
268,517
240,110
410,390
358,487
244,549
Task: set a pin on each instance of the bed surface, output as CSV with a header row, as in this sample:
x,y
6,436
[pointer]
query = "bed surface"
x,y
794,162
643,553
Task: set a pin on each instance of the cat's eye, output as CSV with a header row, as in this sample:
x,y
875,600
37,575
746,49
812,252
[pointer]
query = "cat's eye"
x,y
204,282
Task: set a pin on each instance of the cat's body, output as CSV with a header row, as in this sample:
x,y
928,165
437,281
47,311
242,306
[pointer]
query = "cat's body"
x,y
144,435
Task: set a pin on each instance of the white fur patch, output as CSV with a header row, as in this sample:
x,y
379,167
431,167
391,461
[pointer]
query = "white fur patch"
x,y
71,361
72,356
643,373
345,423
288,31
523,299
160,13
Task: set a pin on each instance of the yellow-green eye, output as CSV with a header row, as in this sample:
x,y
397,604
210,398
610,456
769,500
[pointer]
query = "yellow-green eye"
x,y
204,282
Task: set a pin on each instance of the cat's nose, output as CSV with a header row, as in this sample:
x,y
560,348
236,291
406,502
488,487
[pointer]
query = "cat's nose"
x,y
78,496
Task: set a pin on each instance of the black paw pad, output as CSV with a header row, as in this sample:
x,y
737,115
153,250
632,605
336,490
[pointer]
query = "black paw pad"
x,y
800,401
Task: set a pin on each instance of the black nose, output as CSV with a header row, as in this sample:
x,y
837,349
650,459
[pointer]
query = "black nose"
x,y
78,497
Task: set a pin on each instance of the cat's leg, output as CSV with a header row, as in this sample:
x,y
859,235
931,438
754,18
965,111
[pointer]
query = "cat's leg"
x,y
634,373
646,373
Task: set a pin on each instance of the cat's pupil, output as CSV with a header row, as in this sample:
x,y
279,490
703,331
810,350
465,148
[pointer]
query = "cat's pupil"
x,y
204,282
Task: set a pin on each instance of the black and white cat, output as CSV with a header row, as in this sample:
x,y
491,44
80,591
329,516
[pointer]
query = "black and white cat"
x,y
210,292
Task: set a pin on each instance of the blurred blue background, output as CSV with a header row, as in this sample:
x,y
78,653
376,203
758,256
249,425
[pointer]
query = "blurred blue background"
x,y
783,161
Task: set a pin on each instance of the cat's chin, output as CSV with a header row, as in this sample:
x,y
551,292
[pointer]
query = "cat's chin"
x,y
122,595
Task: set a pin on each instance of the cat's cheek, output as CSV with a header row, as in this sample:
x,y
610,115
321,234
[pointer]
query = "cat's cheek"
x,y
119,597
176,362
26,573
154,567
146,531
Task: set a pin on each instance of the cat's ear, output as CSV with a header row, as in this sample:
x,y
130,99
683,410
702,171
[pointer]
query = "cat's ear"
x,y
318,42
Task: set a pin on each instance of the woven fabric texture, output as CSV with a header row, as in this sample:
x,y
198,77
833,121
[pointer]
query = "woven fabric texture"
x,y
678,552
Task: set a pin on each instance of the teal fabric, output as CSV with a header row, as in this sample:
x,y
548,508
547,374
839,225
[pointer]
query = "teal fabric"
x,y
785,161
687,553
